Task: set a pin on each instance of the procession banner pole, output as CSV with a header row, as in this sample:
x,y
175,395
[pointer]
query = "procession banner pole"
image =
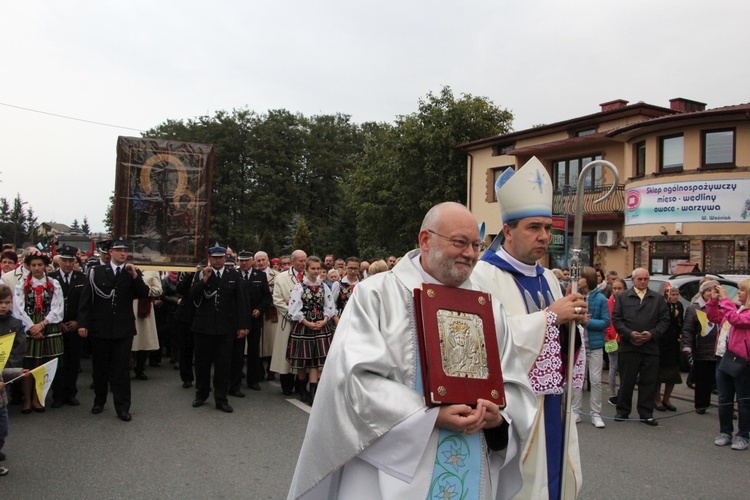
x,y
575,274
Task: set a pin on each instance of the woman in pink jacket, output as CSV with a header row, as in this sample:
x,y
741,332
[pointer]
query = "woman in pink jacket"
x,y
720,309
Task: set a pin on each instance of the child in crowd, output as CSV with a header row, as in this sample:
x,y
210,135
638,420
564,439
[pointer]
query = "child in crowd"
x,y
311,305
8,324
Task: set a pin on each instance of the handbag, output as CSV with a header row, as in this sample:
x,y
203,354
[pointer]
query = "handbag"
x,y
732,364
611,346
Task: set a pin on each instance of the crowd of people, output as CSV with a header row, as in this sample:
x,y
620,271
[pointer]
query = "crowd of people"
x,y
68,307
344,335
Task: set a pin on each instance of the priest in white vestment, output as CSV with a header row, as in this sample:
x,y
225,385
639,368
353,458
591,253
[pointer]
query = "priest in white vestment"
x,y
370,435
535,308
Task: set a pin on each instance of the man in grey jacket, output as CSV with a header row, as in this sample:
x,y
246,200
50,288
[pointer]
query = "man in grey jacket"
x,y
640,316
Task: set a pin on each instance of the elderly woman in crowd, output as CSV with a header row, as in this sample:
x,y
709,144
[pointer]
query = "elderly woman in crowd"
x,y
669,352
698,344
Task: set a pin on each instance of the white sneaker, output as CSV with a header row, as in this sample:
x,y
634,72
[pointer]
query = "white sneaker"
x,y
597,421
578,418
740,443
723,440
3,471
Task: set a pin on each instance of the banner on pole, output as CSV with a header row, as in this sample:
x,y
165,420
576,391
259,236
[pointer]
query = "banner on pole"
x,y
163,199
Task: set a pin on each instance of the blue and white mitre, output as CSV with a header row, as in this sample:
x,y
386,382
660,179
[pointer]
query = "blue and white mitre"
x,y
526,192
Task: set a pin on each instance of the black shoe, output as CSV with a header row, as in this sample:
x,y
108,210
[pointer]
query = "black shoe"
x,y
2,456
700,411
97,409
650,421
612,400
254,386
187,385
124,416
198,402
237,394
224,407
660,408
26,411
670,407
73,401
620,417
141,376
57,403
41,409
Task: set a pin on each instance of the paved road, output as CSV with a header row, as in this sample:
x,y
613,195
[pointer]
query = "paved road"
x,y
171,450
168,450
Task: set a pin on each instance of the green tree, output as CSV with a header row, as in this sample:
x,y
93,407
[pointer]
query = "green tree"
x,y
410,166
6,228
4,210
85,229
31,225
18,221
267,243
302,240
75,227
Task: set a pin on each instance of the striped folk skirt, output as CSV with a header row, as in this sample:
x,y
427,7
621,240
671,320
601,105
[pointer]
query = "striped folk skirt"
x,y
308,348
40,351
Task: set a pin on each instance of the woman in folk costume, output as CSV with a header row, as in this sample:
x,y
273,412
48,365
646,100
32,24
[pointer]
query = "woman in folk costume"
x,y
310,307
146,339
38,302
538,316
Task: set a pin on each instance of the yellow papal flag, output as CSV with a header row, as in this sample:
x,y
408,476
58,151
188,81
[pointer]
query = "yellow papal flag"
x,y
703,320
6,345
43,377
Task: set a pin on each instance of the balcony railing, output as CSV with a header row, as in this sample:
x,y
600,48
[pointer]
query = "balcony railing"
x,y
564,199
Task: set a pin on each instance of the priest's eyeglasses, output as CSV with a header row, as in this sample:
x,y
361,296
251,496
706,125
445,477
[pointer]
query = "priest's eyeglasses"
x,y
462,243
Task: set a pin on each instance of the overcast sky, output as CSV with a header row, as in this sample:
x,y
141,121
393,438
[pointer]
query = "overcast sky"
x,y
138,63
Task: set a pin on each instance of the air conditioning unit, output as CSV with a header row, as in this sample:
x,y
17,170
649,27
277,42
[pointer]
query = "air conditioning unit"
x,y
606,238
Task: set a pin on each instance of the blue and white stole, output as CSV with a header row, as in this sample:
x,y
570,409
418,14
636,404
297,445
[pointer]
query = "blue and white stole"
x,y
457,473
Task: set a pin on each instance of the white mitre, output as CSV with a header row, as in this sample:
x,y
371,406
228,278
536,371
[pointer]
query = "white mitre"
x,y
526,192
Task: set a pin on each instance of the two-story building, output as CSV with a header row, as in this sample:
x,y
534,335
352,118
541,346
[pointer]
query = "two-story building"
x,y
684,192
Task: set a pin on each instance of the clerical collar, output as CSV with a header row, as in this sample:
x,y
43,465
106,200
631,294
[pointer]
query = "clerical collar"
x,y
525,269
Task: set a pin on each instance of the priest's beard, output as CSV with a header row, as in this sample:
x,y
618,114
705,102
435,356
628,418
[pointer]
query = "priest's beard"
x,y
449,270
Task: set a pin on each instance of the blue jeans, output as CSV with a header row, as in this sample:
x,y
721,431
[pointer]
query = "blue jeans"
x,y
3,425
728,387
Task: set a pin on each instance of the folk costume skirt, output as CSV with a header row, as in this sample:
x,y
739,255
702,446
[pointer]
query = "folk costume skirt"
x,y
308,348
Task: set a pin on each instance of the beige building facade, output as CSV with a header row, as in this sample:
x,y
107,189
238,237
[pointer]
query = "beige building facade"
x,y
684,192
